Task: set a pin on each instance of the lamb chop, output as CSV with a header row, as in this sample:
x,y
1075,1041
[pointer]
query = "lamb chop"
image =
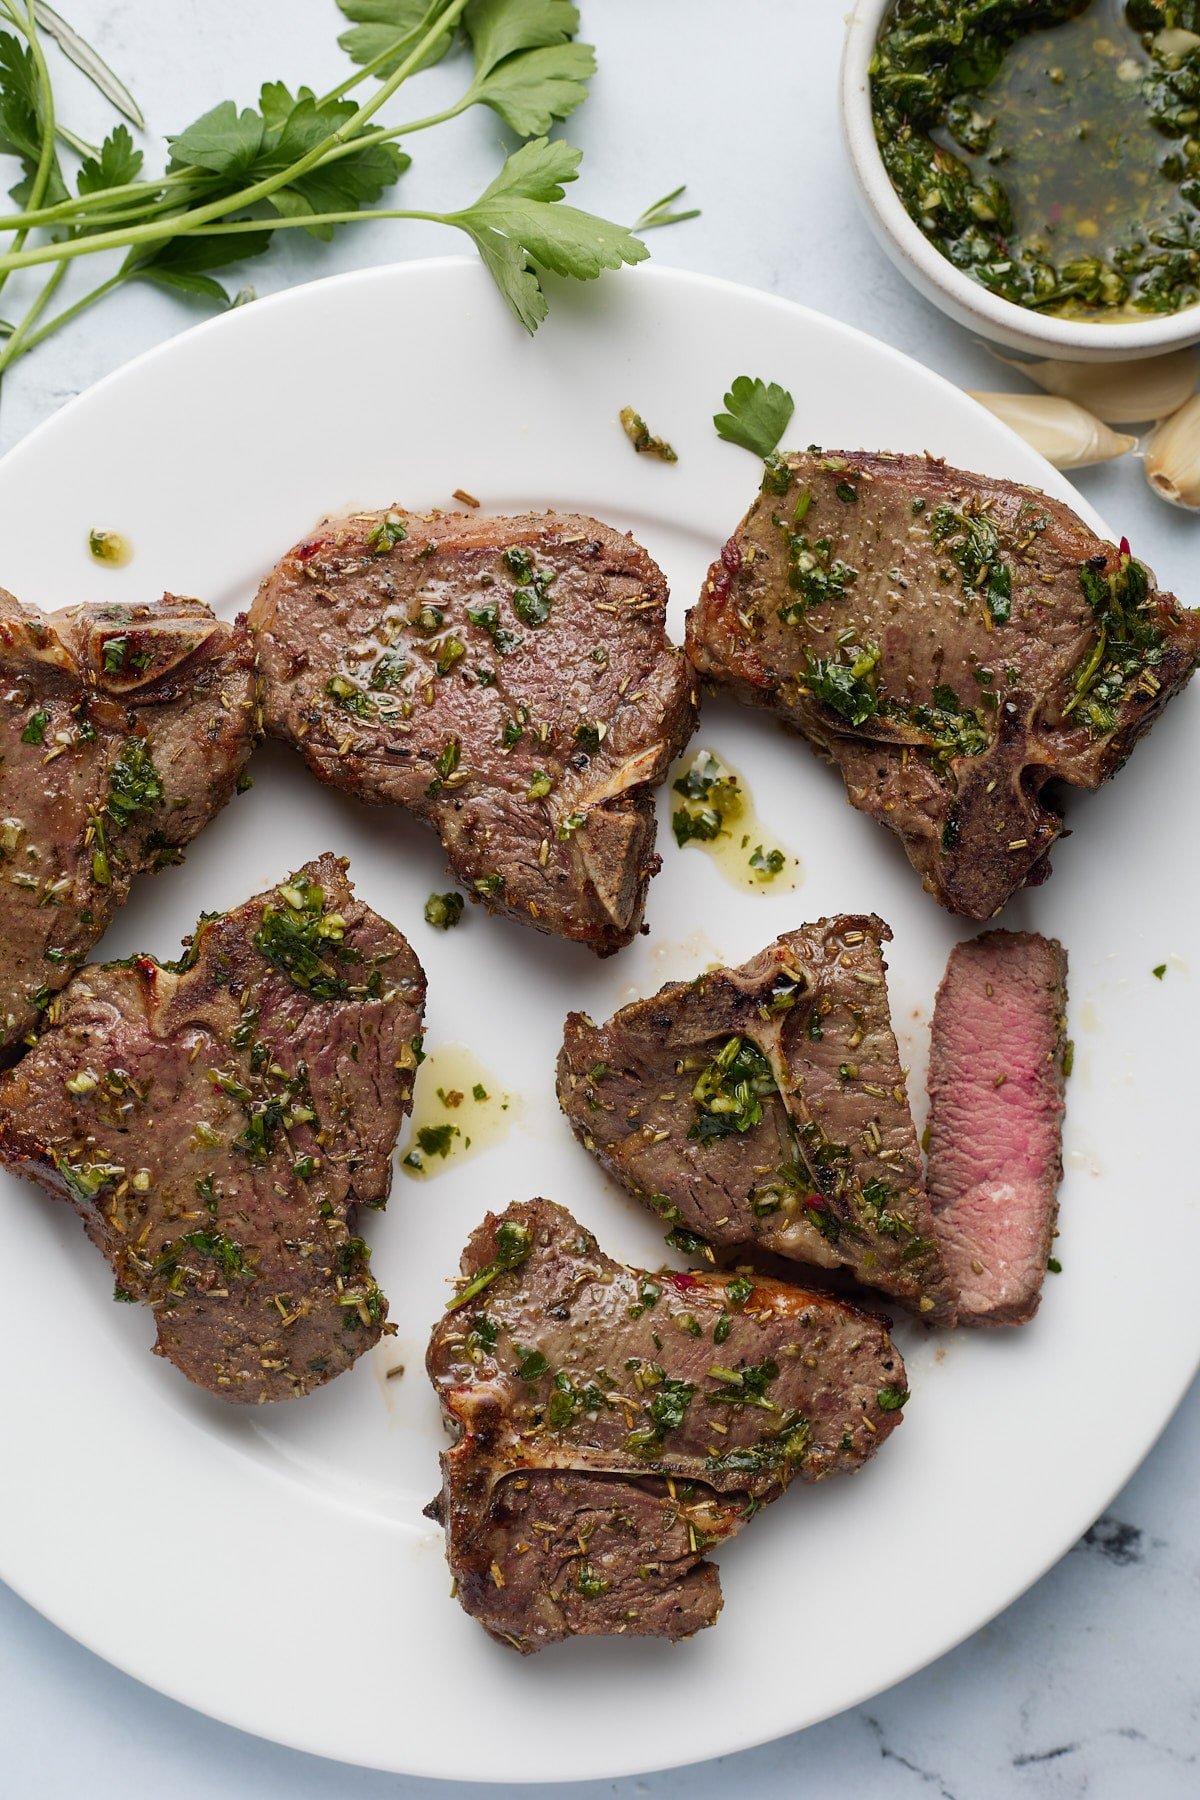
x,y
953,643
507,679
766,1105
612,1425
997,1068
123,730
217,1120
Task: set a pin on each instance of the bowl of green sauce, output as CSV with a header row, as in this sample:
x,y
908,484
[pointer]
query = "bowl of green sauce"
x,y
1033,166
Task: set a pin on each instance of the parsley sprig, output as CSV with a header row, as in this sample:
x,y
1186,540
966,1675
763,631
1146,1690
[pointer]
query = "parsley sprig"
x,y
757,413
298,160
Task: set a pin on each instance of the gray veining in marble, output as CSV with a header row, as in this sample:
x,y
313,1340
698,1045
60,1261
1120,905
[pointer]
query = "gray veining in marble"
x,y
1090,1684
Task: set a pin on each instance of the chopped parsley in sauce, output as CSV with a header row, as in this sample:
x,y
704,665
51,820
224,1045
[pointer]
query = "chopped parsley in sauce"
x,y
1049,151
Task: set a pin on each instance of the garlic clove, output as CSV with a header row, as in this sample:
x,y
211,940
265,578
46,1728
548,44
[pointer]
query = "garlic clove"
x,y
1172,462
1065,434
1119,393
1174,42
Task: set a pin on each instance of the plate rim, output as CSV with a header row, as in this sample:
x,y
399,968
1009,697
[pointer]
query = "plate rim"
x,y
317,293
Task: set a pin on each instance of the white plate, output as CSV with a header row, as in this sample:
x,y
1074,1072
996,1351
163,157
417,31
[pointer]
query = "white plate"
x,y
272,1566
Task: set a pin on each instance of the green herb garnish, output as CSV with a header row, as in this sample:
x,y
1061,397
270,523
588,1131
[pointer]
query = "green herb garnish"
x,y
756,414
386,534
443,911
238,175
643,439
847,683
728,1095
513,1244
304,941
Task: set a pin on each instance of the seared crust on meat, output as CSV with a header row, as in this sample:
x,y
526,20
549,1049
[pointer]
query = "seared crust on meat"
x,y
815,1157
123,730
952,643
613,1425
216,1122
507,679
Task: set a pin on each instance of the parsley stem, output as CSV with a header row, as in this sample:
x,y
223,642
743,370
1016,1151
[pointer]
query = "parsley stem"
x,y
187,223
18,339
83,203
385,56
233,226
45,162
71,312
438,118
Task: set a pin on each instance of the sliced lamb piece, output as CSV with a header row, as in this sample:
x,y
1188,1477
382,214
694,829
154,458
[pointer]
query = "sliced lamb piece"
x,y
583,1555
952,643
613,1425
996,1079
123,729
766,1105
508,679
216,1121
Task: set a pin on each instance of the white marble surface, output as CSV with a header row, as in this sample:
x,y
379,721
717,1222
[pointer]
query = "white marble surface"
x,y
1089,1684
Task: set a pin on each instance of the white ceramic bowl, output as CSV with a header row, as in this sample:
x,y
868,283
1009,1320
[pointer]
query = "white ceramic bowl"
x,y
938,279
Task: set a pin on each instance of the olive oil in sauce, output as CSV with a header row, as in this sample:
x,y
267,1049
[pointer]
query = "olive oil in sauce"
x,y
1073,140
1051,152
458,1109
712,808
109,548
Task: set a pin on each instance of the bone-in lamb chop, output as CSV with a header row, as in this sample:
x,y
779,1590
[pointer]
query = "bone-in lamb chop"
x,y
766,1105
216,1122
123,729
997,1068
613,1425
952,642
507,679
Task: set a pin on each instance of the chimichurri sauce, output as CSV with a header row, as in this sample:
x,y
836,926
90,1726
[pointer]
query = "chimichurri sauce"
x,y
1050,148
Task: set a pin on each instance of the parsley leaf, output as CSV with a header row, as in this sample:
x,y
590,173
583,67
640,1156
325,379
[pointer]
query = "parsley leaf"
x,y
182,263
756,415
531,91
248,146
238,174
223,140
526,67
519,229
383,23
116,162
21,120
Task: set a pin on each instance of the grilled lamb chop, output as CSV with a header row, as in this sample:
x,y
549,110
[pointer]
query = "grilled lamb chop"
x,y
509,680
952,643
216,1121
613,1425
996,1076
767,1105
123,730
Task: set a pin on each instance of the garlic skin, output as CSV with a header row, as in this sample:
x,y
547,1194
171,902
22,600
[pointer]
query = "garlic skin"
x,y
1172,461
1065,434
1118,393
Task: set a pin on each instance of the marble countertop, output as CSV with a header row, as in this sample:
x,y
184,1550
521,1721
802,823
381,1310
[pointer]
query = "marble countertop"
x,y
1088,1684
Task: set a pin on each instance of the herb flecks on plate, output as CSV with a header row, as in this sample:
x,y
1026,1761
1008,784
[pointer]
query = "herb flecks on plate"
x,y
643,439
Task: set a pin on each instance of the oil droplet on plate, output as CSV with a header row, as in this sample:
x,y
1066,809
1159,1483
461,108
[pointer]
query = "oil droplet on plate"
x,y
458,1109
109,548
716,813
1087,1017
